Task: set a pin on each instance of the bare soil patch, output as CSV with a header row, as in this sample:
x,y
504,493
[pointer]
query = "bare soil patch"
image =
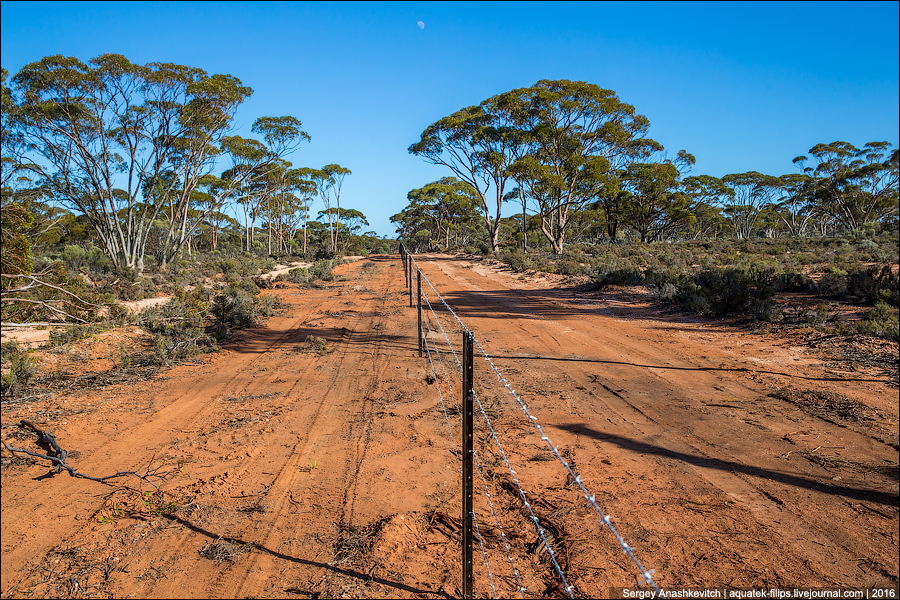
x,y
312,458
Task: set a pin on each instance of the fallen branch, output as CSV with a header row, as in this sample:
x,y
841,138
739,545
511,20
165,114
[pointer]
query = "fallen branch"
x,y
38,282
46,438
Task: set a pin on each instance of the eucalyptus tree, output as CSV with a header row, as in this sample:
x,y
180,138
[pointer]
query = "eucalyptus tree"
x,y
412,222
795,207
752,191
12,144
307,187
128,144
253,162
285,209
518,193
853,185
659,205
331,180
441,206
294,204
576,140
708,195
479,145
352,221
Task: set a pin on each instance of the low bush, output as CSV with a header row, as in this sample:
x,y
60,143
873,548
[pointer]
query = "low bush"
x,y
881,321
517,260
323,269
60,336
874,284
626,276
240,306
833,282
298,275
179,326
18,366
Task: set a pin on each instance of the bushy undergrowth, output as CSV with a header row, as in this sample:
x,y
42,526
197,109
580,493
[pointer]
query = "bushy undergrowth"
x,y
18,369
179,326
64,335
739,277
881,321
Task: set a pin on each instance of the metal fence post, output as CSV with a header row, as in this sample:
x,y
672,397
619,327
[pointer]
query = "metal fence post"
x,y
403,259
410,281
468,451
419,304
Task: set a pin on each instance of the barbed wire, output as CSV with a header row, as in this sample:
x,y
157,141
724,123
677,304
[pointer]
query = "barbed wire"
x,y
483,553
521,491
444,407
646,576
474,455
522,590
519,487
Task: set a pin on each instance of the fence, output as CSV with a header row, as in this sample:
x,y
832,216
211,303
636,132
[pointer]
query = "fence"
x,y
466,456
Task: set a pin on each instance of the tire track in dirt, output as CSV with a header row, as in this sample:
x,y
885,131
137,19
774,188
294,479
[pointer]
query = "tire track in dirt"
x,y
185,413
342,394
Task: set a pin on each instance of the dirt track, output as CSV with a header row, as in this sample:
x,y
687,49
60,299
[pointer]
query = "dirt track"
x,y
307,475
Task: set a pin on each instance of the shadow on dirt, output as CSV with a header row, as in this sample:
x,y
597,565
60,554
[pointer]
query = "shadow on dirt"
x,y
728,465
346,572
670,367
264,339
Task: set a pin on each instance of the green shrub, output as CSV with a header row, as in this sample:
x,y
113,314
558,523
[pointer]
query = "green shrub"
x,y
240,306
517,260
666,292
692,298
833,283
874,284
63,335
322,270
881,321
98,262
791,281
179,326
21,368
73,256
626,276
297,275
568,265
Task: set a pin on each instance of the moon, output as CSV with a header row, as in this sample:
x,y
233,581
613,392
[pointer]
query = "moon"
x,y
421,25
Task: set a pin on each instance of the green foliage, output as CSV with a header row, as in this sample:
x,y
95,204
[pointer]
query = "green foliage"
x,y
60,336
833,283
18,366
516,259
875,284
15,246
179,326
298,275
241,306
441,208
625,276
881,321
323,269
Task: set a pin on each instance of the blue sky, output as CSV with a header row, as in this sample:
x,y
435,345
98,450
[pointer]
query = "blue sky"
x,y
742,86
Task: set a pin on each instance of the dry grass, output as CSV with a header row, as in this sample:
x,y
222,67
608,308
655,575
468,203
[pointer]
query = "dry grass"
x,y
224,551
819,402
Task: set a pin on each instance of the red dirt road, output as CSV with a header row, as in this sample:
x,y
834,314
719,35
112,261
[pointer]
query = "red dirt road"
x,y
298,474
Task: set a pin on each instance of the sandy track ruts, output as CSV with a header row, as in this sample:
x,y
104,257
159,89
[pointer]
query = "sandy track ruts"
x,y
667,420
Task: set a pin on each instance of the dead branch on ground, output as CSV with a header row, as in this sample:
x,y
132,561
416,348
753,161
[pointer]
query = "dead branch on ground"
x,y
46,439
